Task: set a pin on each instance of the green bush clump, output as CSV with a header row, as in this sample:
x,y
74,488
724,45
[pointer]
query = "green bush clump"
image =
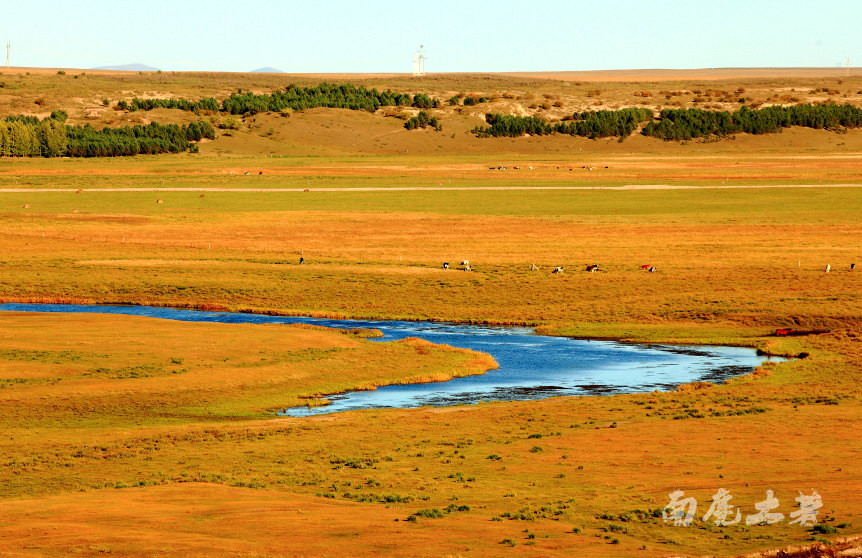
x,y
422,120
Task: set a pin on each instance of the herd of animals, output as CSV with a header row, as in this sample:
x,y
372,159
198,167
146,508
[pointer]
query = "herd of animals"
x,y
465,266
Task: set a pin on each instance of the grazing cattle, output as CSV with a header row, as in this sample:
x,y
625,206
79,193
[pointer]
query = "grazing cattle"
x,y
828,268
647,266
465,262
852,266
652,269
593,268
492,168
261,172
246,173
531,168
445,265
301,260
517,168
782,332
468,268
534,267
558,269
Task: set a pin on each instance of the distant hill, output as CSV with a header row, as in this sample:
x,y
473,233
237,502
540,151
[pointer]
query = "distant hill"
x,y
267,70
129,68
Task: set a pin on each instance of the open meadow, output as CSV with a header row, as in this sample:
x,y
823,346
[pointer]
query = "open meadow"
x,y
138,436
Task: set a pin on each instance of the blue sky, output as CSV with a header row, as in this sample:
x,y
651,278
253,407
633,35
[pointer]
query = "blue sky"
x,y
459,36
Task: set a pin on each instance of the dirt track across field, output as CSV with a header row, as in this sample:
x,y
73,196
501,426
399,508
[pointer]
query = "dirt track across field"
x,y
430,188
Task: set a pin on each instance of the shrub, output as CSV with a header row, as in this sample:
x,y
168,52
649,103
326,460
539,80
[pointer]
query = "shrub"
x,y
422,120
229,123
428,513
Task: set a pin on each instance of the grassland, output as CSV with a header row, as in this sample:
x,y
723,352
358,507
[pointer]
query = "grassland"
x,y
114,428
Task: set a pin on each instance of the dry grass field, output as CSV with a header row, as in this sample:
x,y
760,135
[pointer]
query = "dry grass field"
x,y
136,436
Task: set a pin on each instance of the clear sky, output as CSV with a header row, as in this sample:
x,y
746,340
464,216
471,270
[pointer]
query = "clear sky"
x,y
459,36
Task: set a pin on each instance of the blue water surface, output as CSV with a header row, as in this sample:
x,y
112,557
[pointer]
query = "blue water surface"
x,y
531,366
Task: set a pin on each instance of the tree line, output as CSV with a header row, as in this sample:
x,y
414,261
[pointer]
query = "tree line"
x,y
592,124
293,97
28,136
686,124
677,124
207,104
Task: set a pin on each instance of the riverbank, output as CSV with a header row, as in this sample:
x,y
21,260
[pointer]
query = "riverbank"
x,y
733,266
526,366
90,435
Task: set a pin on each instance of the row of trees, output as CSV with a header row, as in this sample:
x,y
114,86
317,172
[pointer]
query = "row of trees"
x,y
508,125
30,137
207,104
686,124
327,95
598,124
295,98
605,123
677,124
27,136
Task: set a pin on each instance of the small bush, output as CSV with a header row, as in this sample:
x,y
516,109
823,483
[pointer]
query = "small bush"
x,y
229,123
428,513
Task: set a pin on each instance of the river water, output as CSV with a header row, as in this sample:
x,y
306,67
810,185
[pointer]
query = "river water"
x,y
531,366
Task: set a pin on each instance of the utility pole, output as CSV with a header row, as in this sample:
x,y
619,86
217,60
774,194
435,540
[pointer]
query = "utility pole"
x,y
8,50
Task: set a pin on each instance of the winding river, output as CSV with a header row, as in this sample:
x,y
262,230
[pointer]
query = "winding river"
x,y
531,366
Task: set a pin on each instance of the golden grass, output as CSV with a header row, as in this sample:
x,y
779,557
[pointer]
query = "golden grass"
x,y
92,403
125,369
540,467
